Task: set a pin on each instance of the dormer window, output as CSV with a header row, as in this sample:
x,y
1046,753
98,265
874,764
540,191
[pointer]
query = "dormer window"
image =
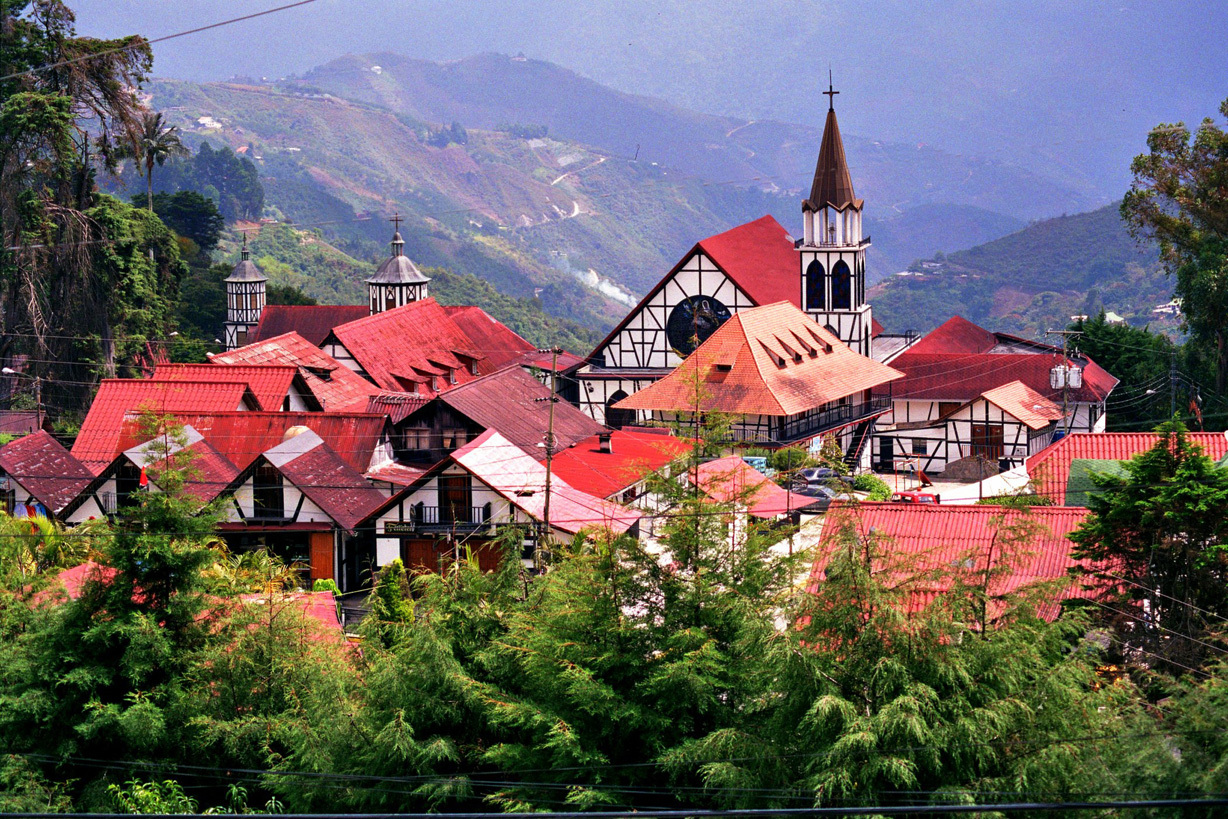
x,y
451,375
473,366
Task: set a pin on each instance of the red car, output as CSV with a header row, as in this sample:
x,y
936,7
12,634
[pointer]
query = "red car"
x,y
914,496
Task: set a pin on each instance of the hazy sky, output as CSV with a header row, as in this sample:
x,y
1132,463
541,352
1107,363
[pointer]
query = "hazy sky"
x,y
1070,87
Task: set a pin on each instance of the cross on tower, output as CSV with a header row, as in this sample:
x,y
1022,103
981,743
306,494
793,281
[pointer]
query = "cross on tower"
x,y
831,93
397,220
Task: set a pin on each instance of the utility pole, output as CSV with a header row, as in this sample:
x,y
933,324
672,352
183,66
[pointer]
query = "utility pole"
x,y
1065,334
553,399
1172,386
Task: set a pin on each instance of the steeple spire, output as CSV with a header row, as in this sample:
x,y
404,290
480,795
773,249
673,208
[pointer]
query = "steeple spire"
x,y
398,280
833,185
831,93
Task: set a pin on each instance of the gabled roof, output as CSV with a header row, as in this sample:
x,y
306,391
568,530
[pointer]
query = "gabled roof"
x,y
45,469
499,343
21,422
759,257
98,441
833,185
210,472
517,406
1049,469
416,344
1021,401
954,538
339,490
772,360
396,405
521,481
633,456
311,321
733,480
270,383
334,385
244,436
959,361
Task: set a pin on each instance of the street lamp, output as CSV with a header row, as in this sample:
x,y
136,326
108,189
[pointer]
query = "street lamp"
x,y
38,387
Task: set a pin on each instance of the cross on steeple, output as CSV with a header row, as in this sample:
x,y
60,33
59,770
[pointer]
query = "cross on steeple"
x,y
397,220
831,93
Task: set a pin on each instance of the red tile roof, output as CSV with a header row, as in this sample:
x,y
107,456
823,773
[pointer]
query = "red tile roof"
x,y
98,441
1026,404
45,469
772,360
312,322
335,386
517,405
339,490
498,341
244,436
412,345
270,383
733,480
633,456
759,257
521,481
954,363
950,538
1049,469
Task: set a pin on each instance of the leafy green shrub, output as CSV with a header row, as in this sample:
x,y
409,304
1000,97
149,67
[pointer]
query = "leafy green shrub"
x,y
325,584
876,487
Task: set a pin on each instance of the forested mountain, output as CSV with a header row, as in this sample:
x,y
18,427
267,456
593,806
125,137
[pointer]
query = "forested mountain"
x,y
1031,280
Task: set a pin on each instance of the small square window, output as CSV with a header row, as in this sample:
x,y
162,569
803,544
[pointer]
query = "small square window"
x,y
920,446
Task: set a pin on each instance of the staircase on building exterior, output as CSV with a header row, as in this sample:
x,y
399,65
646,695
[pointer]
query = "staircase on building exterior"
x,y
863,433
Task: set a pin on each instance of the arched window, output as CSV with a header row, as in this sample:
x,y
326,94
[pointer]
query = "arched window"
x,y
841,287
814,286
618,418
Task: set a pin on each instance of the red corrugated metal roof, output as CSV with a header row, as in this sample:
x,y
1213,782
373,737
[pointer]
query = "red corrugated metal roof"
x,y
335,386
772,360
733,480
500,343
312,322
1026,404
243,436
633,456
520,480
954,336
270,383
1049,469
98,441
957,539
761,259
409,345
46,469
210,472
959,377
396,405
517,405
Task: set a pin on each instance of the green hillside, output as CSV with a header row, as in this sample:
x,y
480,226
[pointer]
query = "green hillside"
x,y
1031,280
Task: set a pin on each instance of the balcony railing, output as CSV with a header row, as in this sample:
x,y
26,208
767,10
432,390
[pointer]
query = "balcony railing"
x,y
811,425
451,519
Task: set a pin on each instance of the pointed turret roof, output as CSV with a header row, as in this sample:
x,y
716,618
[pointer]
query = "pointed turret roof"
x,y
833,186
246,270
398,268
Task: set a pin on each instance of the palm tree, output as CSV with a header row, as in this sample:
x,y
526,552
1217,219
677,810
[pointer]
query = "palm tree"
x,y
155,143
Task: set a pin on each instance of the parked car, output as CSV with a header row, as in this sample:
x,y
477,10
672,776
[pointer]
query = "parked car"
x,y
823,496
820,476
914,496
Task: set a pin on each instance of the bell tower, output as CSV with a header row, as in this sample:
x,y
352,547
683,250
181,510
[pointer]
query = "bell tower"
x,y
398,280
832,251
244,300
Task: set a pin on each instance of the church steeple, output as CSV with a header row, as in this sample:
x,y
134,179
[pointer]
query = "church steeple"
x,y
398,280
244,299
832,249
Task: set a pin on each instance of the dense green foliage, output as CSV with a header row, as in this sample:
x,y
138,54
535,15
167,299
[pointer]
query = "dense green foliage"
x,y
230,180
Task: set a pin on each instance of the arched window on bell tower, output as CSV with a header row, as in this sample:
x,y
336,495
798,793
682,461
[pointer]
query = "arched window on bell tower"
x,y
816,296
841,286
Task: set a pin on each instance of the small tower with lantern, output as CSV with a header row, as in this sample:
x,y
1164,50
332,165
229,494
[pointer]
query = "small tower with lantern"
x,y
244,300
398,281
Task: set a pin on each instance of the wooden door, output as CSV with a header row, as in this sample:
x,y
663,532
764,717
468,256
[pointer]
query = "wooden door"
x,y
455,498
987,441
321,556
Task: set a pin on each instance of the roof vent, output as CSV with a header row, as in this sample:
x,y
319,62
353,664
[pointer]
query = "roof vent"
x,y
605,442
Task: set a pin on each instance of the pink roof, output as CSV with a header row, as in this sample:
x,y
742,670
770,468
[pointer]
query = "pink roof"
x,y
948,538
270,383
98,441
1049,469
395,473
1021,401
498,341
520,480
313,322
772,360
335,386
244,436
45,469
733,480
634,455
418,344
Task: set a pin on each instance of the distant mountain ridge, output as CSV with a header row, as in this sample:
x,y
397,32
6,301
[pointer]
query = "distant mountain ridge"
x,y
1033,279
